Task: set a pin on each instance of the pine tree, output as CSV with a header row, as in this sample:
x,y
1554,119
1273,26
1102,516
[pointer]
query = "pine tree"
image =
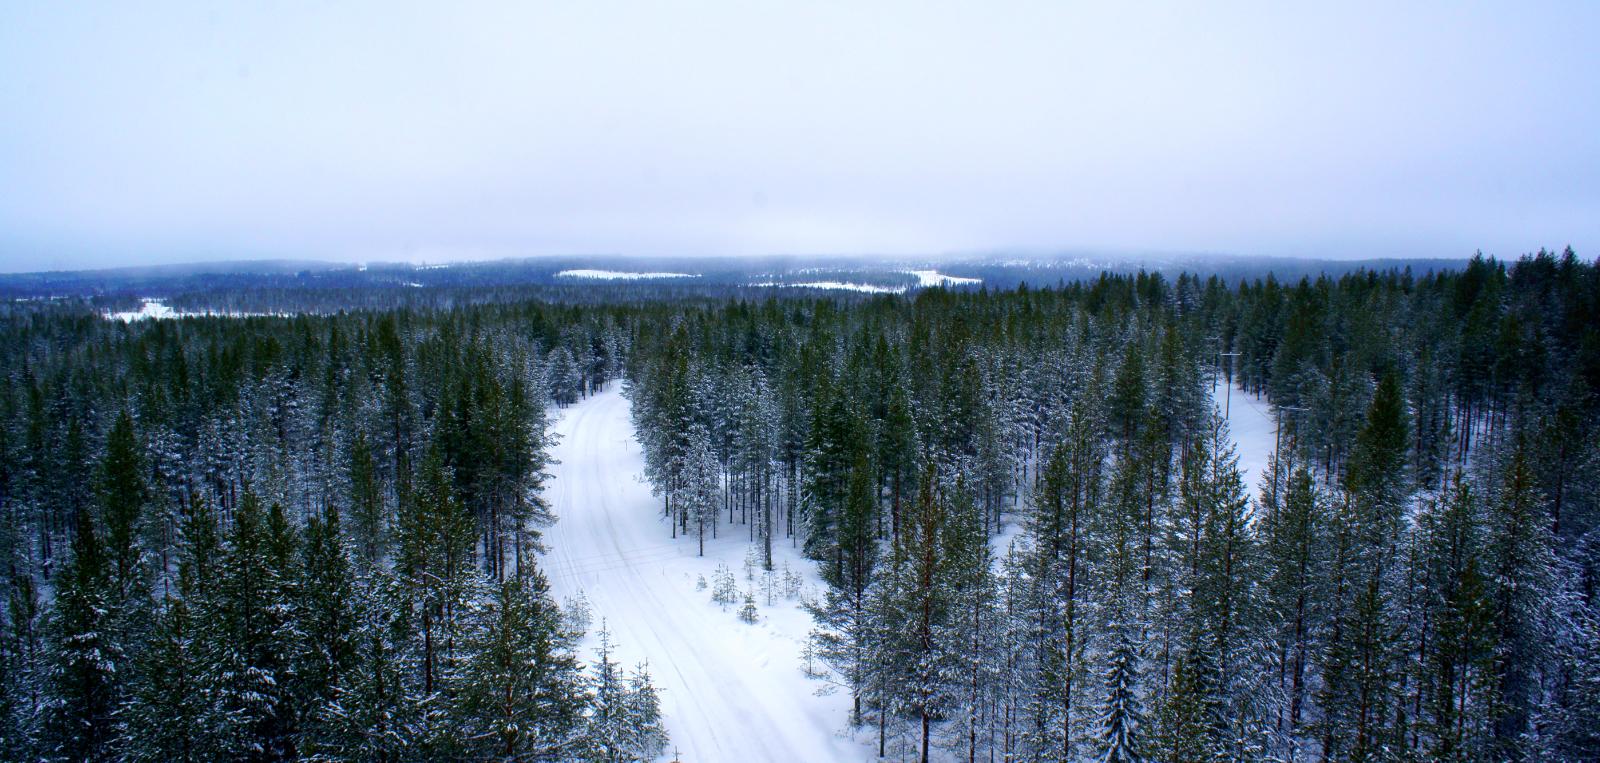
x,y
919,605
366,501
837,446
1297,568
434,564
607,729
1118,528
1058,536
171,716
747,611
249,638
1360,672
701,495
841,616
123,495
325,616
372,715
84,664
519,695
20,667
1213,601
1459,659
1522,587
646,736
1120,723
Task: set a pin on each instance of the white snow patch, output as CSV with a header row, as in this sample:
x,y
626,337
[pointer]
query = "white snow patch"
x,y
927,278
865,288
149,308
618,275
1252,428
156,309
731,691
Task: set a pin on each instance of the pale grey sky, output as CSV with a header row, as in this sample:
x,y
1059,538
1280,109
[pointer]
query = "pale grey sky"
x,y
160,132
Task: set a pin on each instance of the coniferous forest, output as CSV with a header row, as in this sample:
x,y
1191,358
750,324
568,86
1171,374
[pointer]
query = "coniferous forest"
x,y
321,536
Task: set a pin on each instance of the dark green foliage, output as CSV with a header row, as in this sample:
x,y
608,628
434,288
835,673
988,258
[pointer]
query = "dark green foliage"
x,y
316,536
83,662
519,692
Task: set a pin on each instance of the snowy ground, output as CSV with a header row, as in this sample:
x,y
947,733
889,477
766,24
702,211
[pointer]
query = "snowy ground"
x,y
618,275
1252,428
865,288
927,278
730,691
150,308
155,309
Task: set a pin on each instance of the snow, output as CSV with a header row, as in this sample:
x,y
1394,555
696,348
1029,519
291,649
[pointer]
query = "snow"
x,y
865,288
730,690
927,278
618,275
1252,428
156,309
150,308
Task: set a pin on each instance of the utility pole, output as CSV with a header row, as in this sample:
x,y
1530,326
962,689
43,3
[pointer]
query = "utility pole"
x,y
1227,409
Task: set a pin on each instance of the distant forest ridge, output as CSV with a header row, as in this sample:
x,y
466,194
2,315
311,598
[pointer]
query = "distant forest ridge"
x,y
287,285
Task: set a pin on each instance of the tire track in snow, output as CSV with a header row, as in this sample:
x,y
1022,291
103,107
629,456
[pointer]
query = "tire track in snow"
x,y
730,691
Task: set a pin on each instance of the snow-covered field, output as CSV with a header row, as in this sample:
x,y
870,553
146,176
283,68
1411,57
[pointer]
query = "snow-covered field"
x,y
155,309
731,691
618,275
865,288
926,278
1252,428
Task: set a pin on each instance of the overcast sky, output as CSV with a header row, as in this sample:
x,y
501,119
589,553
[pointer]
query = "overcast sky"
x,y
152,132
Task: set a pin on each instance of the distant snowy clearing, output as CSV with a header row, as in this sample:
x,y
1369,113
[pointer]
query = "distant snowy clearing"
x,y
619,275
865,288
927,278
156,309
151,308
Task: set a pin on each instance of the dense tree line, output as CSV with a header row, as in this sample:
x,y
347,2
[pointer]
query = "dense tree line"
x,y
317,537
296,538
1038,546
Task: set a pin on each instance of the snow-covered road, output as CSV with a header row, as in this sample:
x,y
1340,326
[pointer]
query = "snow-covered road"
x,y
1252,428
731,691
